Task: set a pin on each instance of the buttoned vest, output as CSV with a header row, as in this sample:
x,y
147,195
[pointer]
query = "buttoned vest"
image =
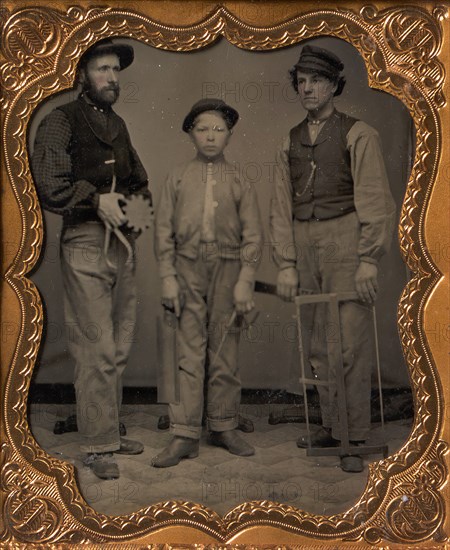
x,y
321,177
92,144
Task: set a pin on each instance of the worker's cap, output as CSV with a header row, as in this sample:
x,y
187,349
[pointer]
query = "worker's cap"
x,y
320,60
124,52
230,115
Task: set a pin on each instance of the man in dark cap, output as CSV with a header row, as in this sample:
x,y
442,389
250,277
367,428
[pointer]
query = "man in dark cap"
x,y
86,170
332,219
207,241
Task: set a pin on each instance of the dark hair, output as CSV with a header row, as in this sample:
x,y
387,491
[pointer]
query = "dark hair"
x,y
339,80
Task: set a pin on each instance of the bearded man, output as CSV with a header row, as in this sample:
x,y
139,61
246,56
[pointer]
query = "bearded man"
x,y
85,168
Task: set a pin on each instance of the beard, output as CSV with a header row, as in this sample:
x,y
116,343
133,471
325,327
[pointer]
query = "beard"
x,y
105,97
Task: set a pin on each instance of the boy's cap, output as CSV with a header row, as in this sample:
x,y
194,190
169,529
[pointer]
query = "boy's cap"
x,y
230,114
124,52
320,60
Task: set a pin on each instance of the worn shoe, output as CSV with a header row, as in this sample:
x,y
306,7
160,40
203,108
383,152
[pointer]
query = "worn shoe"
x,y
352,463
103,465
245,424
129,447
163,422
322,438
178,448
231,441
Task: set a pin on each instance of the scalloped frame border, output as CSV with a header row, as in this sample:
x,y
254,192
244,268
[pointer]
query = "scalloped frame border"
x,y
403,500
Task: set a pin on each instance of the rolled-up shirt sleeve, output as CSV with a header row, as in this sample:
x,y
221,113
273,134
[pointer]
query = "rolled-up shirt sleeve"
x,y
374,204
281,215
52,169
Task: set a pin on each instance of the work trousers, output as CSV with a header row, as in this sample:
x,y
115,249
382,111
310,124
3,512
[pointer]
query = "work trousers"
x,y
100,315
207,285
327,260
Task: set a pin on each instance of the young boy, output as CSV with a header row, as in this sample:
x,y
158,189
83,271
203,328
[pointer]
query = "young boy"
x,y
208,243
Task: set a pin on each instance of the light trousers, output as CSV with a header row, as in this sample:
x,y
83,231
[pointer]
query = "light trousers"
x,y
100,317
327,260
207,285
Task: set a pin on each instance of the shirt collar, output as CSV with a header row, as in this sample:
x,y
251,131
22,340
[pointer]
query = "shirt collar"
x,y
205,160
321,120
92,104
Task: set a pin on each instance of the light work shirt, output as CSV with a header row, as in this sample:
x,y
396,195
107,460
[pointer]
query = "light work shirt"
x,y
179,223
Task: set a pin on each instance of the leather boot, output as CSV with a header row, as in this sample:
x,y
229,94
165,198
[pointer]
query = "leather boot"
x,y
129,447
178,448
322,438
103,465
352,463
231,441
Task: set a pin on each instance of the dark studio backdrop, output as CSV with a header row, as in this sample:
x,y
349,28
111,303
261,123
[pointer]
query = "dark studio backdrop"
x,y
158,90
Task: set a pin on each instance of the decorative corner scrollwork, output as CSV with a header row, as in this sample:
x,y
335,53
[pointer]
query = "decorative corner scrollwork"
x,y
413,38
416,511
30,40
29,513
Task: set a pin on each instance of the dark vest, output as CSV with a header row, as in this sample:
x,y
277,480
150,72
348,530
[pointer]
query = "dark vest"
x,y
91,145
326,191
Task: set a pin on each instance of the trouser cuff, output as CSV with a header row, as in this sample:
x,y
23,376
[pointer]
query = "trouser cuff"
x,y
108,448
186,431
215,425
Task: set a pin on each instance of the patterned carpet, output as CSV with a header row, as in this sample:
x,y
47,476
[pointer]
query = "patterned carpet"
x,y
278,471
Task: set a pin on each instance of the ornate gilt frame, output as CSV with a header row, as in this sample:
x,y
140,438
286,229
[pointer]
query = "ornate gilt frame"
x,y
405,49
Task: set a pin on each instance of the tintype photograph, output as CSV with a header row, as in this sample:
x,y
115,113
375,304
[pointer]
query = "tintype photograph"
x,y
228,279
232,124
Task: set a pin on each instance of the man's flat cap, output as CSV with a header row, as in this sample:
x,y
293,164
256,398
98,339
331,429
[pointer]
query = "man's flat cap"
x,y
320,60
124,52
230,115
